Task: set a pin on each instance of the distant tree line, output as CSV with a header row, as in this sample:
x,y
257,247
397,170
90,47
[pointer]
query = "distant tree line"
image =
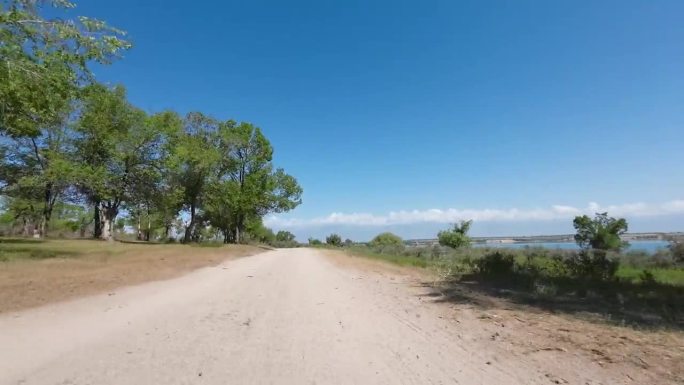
x,y
68,142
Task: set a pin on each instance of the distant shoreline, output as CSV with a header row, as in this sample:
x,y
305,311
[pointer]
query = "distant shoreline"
x,y
559,238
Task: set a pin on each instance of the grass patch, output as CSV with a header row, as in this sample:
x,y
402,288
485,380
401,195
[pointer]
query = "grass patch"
x,y
673,276
401,260
34,250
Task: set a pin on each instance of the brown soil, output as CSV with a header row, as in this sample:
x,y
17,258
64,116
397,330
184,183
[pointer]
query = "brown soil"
x,y
96,267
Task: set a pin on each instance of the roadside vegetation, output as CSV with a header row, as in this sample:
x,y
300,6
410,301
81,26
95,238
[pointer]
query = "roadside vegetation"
x,y
79,159
633,287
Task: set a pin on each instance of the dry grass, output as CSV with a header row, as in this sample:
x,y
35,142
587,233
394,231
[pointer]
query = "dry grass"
x,y
34,274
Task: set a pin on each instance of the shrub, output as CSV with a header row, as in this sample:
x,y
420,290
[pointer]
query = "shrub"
x,y
677,250
386,239
647,278
498,263
545,290
315,242
393,250
333,240
592,264
457,236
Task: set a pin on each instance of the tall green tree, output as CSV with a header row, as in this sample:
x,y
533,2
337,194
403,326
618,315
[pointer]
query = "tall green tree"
x,y
117,151
600,233
253,188
194,162
44,61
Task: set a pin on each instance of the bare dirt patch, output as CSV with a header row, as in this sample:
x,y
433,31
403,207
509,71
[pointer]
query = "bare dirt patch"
x,y
558,342
77,268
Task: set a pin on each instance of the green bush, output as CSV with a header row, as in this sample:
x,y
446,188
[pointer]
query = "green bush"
x,y
457,236
386,239
498,263
333,240
594,264
677,251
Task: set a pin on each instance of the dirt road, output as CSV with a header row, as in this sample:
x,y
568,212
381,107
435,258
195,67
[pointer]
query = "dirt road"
x,y
281,317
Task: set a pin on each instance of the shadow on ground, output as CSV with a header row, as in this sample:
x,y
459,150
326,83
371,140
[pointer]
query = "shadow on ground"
x,y
643,305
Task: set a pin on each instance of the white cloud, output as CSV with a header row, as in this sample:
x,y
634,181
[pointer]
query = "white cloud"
x,y
451,215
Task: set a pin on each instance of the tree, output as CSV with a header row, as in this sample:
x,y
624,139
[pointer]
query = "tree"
x,y
601,233
24,212
457,236
333,240
253,188
155,198
45,60
38,168
256,231
315,242
386,239
194,161
117,152
284,236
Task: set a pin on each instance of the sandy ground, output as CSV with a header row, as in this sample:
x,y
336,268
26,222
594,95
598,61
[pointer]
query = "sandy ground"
x,y
99,267
288,317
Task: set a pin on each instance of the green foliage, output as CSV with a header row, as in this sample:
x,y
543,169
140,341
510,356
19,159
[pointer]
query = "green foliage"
x,y
593,264
677,250
45,60
497,263
457,236
386,239
285,236
67,140
333,240
257,232
315,242
601,233
235,178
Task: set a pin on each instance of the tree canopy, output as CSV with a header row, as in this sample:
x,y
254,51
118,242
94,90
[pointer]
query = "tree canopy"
x,y
600,233
457,236
69,141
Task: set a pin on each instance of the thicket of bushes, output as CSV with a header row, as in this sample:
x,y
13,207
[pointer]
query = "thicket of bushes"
x,y
531,262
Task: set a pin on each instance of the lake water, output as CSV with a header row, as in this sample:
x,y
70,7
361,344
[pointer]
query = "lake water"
x,y
648,246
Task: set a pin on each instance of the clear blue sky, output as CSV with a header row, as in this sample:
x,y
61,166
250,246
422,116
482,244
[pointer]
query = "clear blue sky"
x,y
388,106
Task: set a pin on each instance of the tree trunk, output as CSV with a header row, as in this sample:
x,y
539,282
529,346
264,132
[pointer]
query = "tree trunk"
x,y
47,210
191,226
97,221
139,236
106,230
149,226
108,214
26,228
